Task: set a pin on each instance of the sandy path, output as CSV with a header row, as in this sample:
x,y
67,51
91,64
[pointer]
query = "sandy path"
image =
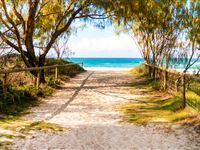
x,y
86,105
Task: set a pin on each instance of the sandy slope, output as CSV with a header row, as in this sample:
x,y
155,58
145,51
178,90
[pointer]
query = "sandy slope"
x,y
86,105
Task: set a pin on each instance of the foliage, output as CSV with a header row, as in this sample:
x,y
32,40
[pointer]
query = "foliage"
x,y
153,83
192,92
32,27
155,110
166,32
139,70
163,30
61,48
193,98
22,92
155,106
70,71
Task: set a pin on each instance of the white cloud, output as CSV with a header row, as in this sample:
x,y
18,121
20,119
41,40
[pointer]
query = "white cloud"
x,y
103,43
107,43
114,46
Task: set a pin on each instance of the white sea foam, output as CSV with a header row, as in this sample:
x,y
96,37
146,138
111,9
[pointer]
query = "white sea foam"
x,y
107,68
190,71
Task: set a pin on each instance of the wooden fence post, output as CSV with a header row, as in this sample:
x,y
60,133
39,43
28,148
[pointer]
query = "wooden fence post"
x,y
38,79
149,70
146,69
5,83
176,85
154,73
56,74
183,91
165,80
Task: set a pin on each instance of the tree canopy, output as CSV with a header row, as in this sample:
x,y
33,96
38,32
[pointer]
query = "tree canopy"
x,y
31,26
163,29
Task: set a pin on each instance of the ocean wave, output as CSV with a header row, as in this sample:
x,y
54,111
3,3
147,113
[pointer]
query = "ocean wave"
x,y
106,68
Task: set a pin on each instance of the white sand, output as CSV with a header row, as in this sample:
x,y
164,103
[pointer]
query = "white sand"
x,y
86,105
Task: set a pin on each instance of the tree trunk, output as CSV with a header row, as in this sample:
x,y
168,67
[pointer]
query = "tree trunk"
x,y
32,62
42,77
41,64
29,62
183,92
153,69
149,71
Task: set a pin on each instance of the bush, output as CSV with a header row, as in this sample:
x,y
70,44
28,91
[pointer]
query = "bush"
x,y
138,70
22,93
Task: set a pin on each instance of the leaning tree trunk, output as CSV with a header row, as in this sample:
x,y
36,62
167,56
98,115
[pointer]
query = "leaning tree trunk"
x,y
33,63
30,63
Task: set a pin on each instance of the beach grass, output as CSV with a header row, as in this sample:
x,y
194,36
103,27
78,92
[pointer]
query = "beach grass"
x,y
154,105
22,92
149,109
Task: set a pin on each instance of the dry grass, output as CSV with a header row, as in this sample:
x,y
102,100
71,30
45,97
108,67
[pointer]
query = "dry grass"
x,y
153,105
193,99
156,107
14,127
42,126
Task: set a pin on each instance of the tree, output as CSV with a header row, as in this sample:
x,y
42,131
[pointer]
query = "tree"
x,y
156,27
193,34
31,27
5,53
61,48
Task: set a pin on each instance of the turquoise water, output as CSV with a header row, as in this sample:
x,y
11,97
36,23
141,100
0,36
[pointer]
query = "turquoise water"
x,y
122,63
108,62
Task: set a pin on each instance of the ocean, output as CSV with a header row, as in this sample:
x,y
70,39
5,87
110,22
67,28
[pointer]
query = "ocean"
x,y
108,63
123,64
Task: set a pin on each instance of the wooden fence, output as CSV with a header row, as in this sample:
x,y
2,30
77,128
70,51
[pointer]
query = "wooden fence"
x,y
38,69
173,82
170,80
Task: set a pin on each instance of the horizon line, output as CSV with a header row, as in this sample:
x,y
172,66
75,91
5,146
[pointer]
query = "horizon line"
x,y
102,57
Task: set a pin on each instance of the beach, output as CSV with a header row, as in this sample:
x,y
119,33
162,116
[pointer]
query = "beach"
x,y
87,107
123,64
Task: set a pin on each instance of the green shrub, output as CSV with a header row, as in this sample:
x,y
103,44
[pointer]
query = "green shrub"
x,y
22,93
138,70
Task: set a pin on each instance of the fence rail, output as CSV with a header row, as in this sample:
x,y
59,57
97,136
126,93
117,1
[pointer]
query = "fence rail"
x,y
174,82
36,68
171,80
9,71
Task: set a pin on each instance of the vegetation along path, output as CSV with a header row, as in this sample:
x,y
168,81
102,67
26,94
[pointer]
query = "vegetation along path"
x,y
88,107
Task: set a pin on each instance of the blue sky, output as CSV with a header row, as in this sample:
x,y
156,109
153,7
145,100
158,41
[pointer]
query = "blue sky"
x,y
94,42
